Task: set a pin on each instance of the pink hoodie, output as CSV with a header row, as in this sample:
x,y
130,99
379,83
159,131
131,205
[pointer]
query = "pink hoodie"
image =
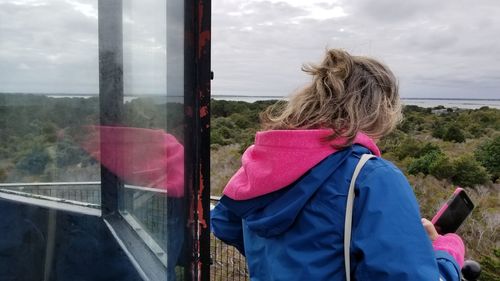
x,y
280,157
453,245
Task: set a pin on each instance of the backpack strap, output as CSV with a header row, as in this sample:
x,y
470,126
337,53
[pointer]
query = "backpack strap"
x,y
348,215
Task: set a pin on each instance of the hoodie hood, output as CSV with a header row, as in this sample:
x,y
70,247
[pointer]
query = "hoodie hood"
x,y
280,157
273,213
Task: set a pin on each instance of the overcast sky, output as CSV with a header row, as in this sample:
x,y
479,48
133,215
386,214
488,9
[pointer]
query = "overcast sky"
x,y
436,48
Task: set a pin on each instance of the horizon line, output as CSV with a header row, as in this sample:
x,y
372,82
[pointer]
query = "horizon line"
x,y
243,96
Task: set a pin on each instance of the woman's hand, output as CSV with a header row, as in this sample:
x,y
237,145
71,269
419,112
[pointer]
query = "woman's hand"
x,y
431,230
450,243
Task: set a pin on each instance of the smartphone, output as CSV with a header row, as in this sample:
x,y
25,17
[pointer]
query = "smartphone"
x,y
451,215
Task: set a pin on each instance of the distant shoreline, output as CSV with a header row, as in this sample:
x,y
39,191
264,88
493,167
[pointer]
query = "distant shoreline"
x,y
464,103
221,97
232,96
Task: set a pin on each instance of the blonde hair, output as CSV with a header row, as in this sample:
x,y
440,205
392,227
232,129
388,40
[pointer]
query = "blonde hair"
x,y
348,94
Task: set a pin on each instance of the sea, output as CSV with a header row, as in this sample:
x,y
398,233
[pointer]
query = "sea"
x,y
422,102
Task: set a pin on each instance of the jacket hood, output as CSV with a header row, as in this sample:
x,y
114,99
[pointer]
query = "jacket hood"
x,y
273,213
280,157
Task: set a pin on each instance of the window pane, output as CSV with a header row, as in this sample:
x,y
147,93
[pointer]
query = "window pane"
x,y
147,146
70,134
48,97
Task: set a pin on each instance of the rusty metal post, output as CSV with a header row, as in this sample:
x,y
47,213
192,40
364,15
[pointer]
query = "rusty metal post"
x,y
197,104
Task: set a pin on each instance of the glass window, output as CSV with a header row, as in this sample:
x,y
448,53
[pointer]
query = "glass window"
x,y
92,115
151,138
48,97
141,130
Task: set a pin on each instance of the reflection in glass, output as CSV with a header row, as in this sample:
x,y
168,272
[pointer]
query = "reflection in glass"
x,y
49,185
53,141
48,91
151,138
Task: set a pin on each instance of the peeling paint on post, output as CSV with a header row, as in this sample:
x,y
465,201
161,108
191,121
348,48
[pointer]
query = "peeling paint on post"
x,y
198,78
204,76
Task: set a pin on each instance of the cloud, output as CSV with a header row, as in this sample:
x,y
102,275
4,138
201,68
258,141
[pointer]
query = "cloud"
x,y
42,50
446,48
57,52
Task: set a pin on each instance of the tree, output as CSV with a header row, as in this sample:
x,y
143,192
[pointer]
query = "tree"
x,y
68,154
454,133
469,172
476,130
438,130
411,147
34,162
423,163
224,131
442,168
488,154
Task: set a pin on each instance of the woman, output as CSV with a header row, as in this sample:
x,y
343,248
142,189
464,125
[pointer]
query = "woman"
x,y
284,209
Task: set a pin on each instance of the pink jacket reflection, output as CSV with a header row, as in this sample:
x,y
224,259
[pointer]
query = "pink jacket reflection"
x,y
142,157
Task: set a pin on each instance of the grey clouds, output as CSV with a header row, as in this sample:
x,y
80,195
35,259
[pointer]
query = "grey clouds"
x,y
436,48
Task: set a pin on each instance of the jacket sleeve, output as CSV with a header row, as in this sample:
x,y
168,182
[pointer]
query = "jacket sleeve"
x,y
388,239
227,226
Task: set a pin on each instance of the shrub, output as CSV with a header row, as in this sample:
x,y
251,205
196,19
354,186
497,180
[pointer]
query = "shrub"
x,y
224,131
488,154
391,142
429,148
411,122
34,162
468,172
491,266
423,163
408,147
442,168
438,131
68,154
242,121
411,147
454,133
476,130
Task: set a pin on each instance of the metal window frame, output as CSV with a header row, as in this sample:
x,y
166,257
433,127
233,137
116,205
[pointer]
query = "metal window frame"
x,y
197,76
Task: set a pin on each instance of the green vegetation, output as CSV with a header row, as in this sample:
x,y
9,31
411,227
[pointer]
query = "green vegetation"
x,y
235,122
445,146
488,154
436,151
40,136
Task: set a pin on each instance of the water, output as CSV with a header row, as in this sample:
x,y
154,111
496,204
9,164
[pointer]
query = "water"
x,y
422,102
459,103
158,99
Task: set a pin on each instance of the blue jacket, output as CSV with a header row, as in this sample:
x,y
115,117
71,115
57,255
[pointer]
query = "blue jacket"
x,y
296,233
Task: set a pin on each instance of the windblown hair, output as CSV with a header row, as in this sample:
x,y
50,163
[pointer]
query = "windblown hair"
x,y
348,94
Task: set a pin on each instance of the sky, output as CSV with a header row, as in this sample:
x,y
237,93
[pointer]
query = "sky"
x,y
437,49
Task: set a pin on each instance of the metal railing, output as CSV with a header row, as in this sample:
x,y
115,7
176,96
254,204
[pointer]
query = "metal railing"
x,y
149,207
227,262
85,192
